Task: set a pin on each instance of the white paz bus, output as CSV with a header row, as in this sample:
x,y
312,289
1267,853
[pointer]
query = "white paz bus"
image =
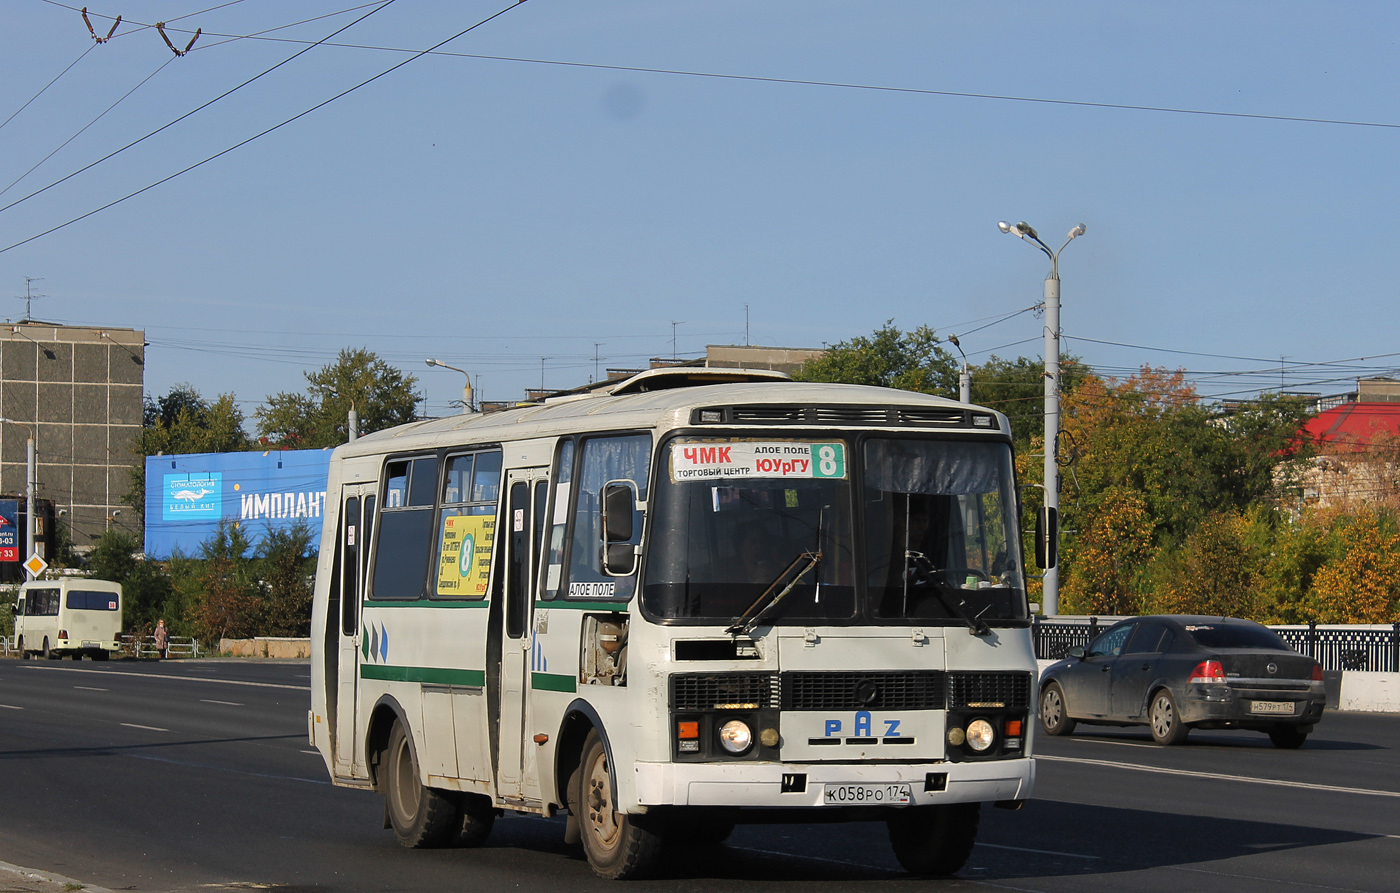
x,y
699,598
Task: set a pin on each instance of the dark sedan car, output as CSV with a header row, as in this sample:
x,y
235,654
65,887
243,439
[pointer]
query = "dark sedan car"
x,y
1181,672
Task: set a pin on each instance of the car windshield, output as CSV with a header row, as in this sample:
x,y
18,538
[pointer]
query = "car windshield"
x,y
1235,635
936,520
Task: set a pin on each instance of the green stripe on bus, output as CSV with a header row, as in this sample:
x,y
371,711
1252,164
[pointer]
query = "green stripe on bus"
x,y
553,682
423,674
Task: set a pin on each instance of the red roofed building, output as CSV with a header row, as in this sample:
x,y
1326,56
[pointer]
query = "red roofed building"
x,y
1358,448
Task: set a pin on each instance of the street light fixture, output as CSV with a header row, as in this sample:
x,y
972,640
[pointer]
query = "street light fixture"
x,y
30,485
466,388
1050,527
965,376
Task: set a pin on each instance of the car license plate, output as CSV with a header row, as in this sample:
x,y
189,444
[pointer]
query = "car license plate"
x,y
87,644
1280,707
852,794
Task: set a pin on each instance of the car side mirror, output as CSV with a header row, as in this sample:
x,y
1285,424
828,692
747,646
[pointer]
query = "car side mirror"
x,y
1077,651
619,502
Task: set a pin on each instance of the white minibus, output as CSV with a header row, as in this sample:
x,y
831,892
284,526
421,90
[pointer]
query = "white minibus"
x,y
695,598
77,618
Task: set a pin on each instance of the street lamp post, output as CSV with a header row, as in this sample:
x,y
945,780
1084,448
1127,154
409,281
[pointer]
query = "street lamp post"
x,y
466,388
30,484
1025,232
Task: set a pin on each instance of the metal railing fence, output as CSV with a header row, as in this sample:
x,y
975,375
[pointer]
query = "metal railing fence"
x,y
1374,647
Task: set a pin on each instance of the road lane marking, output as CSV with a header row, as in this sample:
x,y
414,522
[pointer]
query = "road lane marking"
x,y
226,703
167,676
90,688
132,725
11,707
1219,776
1022,849
316,752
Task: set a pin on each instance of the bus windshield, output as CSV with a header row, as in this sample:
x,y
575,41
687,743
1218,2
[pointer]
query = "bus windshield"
x,y
732,518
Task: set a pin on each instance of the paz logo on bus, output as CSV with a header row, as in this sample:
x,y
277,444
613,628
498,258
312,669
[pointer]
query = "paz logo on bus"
x,y
861,727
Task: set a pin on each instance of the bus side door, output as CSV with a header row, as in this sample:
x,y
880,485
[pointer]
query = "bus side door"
x,y
356,521
515,779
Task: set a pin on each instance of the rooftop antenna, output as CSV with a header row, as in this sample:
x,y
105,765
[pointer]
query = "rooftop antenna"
x,y
747,343
673,338
29,297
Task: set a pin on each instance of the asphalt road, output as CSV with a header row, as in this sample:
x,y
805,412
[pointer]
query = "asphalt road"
x,y
196,775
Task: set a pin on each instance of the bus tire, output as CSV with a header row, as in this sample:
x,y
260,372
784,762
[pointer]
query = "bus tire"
x,y
618,846
478,817
48,654
421,816
934,841
23,652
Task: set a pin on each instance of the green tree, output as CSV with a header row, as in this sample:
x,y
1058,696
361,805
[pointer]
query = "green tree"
x,y
889,358
1017,389
286,564
181,421
226,605
381,395
146,588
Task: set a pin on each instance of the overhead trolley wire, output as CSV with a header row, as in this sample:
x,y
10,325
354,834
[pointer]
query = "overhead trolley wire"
x,y
47,86
170,124
263,133
158,70
882,88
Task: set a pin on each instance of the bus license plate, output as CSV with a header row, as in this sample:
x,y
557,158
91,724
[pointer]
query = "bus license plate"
x,y
851,794
1280,707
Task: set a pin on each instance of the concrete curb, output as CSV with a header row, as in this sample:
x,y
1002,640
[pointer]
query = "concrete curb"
x,y
48,881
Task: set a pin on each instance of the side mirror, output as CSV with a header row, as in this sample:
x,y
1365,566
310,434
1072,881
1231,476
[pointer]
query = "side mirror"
x,y
619,502
1077,651
1047,537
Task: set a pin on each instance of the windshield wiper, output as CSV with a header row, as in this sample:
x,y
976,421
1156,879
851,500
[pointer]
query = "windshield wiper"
x,y
775,593
977,625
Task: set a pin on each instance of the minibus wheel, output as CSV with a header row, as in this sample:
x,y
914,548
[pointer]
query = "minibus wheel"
x,y
934,840
618,846
48,655
421,816
23,652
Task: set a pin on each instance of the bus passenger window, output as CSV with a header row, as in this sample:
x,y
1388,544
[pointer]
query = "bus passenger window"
x,y
563,475
467,528
404,542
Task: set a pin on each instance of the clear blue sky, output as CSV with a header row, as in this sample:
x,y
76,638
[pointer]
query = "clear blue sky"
x,y
491,212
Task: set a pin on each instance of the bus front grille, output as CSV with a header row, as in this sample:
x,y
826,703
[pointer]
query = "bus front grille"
x,y
710,691
923,690
1006,689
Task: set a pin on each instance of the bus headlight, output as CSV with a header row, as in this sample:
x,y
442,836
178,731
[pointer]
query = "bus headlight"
x,y
735,736
980,735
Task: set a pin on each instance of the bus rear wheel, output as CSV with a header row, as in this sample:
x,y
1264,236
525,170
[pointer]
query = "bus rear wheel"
x,y
48,654
618,846
934,841
420,816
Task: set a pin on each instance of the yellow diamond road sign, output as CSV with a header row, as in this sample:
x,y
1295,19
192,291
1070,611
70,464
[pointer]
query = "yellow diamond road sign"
x,y
36,565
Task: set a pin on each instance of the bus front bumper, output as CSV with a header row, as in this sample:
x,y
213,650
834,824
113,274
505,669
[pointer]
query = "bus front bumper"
x,y
831,784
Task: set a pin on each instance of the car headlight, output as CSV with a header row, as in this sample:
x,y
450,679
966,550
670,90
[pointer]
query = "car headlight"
x,y
980,735
735,736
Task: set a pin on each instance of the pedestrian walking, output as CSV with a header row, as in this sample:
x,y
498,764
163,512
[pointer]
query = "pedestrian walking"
x,y
162,638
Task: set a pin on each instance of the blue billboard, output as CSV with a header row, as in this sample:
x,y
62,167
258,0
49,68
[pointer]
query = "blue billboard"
x,y
188,495
9,530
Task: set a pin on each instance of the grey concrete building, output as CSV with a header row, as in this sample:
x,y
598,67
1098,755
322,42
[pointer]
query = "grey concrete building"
x,y
80,391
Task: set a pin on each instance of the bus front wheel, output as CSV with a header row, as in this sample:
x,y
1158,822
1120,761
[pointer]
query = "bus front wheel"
x,y
421,816
618,846
934,840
